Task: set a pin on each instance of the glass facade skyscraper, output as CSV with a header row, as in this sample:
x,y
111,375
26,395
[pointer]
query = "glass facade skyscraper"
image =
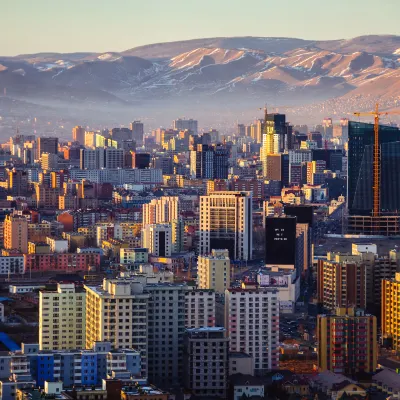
x,y
360,168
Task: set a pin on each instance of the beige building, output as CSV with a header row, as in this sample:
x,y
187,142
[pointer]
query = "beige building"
x,y
162,210
226,222
16,233
158,239
62,319
214,271
200,308
117,312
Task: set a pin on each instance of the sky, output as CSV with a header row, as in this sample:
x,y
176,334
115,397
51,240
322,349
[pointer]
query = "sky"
x,y
32,26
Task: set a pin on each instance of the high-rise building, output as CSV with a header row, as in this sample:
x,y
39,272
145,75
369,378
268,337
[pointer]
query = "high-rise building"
x,y
252,322
140,160
390,310
99,158
158,239
282,129
16,233
117,312
360,179
214,271
241,130
202,162
62,318
49,161
347,342
200,308
226,223
120,134
46,145
166,327
277,168
162,210
78,134
137,129
281,245
203,377
221,155
185,124
17,182
341,282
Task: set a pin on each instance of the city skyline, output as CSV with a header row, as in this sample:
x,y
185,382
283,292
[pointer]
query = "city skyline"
x,y
74,27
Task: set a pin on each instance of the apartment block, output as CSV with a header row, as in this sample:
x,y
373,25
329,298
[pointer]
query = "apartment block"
x,y
157,238
30,365
390,315
347,342
16,233
160,211
206,361
214,270
166,327
117,312
200,308
341,282
252,323
62,319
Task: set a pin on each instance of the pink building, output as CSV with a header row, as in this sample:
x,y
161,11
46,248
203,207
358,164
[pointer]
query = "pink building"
x,y
66,262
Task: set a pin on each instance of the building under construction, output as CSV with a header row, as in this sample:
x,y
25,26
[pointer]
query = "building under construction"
x,y
373,179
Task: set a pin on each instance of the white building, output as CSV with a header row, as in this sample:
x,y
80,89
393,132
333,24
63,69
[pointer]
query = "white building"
x,y
200,308
252,321
226,222
116,312
62,319
57,245
299,156
158,239
12,265
161,211
285,282
19,289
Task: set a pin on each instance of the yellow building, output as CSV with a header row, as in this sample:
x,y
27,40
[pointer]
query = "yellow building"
x,y
62,318
347,342
38,248
214,271
391,310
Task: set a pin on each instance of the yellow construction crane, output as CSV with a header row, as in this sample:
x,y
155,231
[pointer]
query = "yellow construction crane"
x,y
377,165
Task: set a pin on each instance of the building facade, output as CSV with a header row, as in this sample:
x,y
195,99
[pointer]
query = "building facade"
x,y
252,323
214,271
347,342
62,319
226,223
206,361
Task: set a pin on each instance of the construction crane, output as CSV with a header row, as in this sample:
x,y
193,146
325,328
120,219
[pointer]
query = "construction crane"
x,y
377,165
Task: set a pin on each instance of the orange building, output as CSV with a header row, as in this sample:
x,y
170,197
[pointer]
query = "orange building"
x,y
16,233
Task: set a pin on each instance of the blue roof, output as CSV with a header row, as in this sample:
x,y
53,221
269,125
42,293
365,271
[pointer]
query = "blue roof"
x,y
8,342
5,299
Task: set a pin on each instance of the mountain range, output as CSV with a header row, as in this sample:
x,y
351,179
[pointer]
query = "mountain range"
x,y
239,73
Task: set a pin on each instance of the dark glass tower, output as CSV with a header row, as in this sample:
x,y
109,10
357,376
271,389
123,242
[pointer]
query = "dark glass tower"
x,y
360,168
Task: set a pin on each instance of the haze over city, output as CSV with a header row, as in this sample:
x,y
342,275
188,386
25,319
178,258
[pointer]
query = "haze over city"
x,y
199,200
